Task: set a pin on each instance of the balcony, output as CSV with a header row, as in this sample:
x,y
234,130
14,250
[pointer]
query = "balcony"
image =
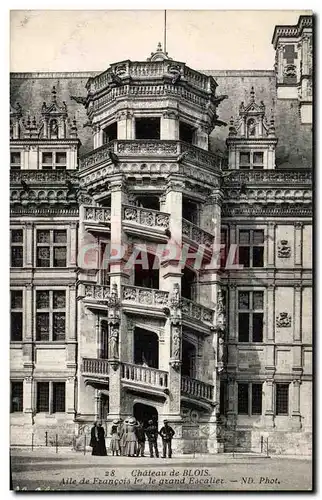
x,y
195,389
136,150
148,300
95,370
97,219
150,380
146,223
95,296
193,234
197,313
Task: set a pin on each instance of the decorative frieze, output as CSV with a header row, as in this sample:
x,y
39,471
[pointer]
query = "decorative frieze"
x,y
269,177
42,176
146,217
197,311
48,211
144,296
264,210
99,292
283,320
97,214
196,234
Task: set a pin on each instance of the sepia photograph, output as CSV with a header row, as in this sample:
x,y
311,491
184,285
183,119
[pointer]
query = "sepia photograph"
x,y
161,212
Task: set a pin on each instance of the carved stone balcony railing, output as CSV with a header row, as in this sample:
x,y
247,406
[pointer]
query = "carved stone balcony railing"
x,y
151,148
144,218
137,70
96,292
97,214
196,234
197,312
144,296
144,375
91,366
196,388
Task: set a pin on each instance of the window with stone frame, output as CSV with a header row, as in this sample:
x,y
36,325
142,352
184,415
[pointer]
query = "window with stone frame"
x,y
54,160
16,323
16,248
251,247
16,396
51,248
282,399
249,398
50,315
15,160
51,397
251,160
250,316
224,249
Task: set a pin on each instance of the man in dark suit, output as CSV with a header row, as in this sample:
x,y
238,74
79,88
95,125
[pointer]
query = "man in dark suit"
x,y
140,434
152,434
167,433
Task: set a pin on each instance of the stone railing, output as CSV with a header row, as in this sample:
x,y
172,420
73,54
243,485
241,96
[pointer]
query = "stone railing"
x,y
93,366
196,388
144,296
142,147
145,70
97,214
268,177
43,176
99,292
144,375
146,217
196,234
197,311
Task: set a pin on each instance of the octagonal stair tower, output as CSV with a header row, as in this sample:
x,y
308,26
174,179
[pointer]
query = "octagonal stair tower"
x,y
149,319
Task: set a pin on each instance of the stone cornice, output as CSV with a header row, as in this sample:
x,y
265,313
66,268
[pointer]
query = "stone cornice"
x,y
49,211
269,177
44,142
265,210
291,31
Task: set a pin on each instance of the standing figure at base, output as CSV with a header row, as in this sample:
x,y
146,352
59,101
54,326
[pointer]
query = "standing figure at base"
x,y
152,434
94,439
131,439
115,440
167,433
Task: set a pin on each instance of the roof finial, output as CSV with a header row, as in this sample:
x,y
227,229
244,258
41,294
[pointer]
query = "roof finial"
x,y
252,94
159,47
54,93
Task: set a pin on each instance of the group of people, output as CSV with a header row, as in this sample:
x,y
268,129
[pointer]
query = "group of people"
x,y
129,438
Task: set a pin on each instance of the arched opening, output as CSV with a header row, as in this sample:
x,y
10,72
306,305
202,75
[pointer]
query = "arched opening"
x,y
188,367
144,413
146,348
188,284
104,339
151,202
144,273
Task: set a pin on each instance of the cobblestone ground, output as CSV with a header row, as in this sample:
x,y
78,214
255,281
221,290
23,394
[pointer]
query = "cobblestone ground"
x,y
71,471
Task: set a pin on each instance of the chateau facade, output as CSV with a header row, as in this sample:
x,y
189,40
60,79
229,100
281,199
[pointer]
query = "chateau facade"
x,y
161,251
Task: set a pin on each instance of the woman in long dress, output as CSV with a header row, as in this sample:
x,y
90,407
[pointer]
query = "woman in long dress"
x,y
123,435
132,441
115,440
101,441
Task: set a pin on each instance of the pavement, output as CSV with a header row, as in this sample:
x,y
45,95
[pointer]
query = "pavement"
x,y
68,470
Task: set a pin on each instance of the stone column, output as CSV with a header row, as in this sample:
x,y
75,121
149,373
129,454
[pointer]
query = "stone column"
x,y
122,126
169,127
297,314
271,244
233,298
295,405
73,245
96,136
98,336
29,402
232,399
118,238
70,396
71,328
269,403
270,319
28,245
28,315
97,404
298,243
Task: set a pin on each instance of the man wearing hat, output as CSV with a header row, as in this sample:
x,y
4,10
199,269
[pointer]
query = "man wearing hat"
x,y
152,434
167,433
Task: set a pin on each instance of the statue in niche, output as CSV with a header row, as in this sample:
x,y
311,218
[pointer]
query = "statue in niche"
x,y
114,341
54,128
176,342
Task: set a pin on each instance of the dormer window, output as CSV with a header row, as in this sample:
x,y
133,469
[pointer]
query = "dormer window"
x,y
249,160
53,129
54,161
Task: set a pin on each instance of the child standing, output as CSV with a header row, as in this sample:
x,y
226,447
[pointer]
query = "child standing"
x,y
115,441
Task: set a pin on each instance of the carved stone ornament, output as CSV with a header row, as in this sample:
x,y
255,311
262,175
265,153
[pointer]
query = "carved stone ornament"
x,y
114,341
283,320
176,343
283,249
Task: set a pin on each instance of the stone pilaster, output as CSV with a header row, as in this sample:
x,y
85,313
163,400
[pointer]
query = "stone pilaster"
x,y
297,313
298,244
73,245
28,246
295,405
269,403
270,308
70,396
28,327
271,244
169,127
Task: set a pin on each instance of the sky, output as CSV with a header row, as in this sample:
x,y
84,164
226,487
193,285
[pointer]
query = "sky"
x,y
89,40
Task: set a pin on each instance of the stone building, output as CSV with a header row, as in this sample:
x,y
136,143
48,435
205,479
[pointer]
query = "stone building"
x,y
122,302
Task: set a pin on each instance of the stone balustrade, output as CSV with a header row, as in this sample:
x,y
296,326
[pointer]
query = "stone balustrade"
x,y
91,366
196,388
146,217
144,375
97,214
98,292
196,311
43,176
274,177
144,296
196,234
144,148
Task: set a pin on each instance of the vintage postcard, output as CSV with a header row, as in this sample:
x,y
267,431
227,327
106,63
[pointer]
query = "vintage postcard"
x,y
161,250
